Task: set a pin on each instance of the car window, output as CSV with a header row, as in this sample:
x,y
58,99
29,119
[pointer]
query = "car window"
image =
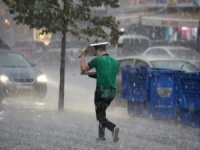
x,y
152,52
140,63
13,60
157,52
162,52
124,63
175,65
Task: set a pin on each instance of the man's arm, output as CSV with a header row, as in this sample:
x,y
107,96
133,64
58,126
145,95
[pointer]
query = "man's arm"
x,y
83,66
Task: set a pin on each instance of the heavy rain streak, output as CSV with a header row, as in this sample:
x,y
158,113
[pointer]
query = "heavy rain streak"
x,y
48,100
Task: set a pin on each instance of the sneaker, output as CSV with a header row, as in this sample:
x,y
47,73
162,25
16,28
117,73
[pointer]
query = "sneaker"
x,y
115,134
100,139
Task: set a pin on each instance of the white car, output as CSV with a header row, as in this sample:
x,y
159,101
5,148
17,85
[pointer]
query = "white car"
x,y
153,62
174,52
158,62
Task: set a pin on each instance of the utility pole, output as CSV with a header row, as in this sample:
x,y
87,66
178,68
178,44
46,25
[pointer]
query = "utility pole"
x,y
62,56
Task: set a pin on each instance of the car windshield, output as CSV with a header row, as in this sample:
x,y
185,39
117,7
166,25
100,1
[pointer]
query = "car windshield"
x,y
186,53
175,65
13,60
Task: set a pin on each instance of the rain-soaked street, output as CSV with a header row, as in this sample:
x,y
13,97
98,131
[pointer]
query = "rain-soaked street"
x,y
37,125
156,45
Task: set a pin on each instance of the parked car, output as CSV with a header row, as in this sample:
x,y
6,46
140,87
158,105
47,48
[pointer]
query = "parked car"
x,y
158,62
18,77
153,62
174,52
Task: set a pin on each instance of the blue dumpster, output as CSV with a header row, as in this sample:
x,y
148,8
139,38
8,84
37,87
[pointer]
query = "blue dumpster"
x,y
163,93
189,91
188,104
135,90
125,86
190,118
134,85
150,90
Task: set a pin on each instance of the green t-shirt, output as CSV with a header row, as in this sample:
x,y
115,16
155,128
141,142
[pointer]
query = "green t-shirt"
x,y
106,71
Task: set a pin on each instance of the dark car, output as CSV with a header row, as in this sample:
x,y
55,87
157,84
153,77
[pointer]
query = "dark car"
x,y
18,77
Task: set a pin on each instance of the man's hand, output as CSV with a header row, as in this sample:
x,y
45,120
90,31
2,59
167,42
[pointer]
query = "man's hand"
x,y
83,52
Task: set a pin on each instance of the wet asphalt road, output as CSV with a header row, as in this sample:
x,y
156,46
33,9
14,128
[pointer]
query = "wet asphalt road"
x,y
32,125
37,125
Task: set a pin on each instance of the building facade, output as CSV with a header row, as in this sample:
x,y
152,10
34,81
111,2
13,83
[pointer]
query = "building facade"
x,y
163,19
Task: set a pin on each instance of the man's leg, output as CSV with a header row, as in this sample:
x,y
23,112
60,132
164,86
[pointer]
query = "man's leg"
x,y
101,129
100,107
102,116
105,122
101,133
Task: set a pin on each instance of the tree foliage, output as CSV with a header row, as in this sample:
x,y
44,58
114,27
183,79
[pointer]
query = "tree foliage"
x,y
66,16
76,15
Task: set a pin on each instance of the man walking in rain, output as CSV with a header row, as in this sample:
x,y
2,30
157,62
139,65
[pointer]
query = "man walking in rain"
x,y
106,71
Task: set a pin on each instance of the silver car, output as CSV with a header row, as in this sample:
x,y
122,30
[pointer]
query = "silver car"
x,y
18,77
153,62
174,52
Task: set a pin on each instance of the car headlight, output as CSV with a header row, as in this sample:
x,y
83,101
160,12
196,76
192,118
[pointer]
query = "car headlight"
x,y
3,78
164,92
42,78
